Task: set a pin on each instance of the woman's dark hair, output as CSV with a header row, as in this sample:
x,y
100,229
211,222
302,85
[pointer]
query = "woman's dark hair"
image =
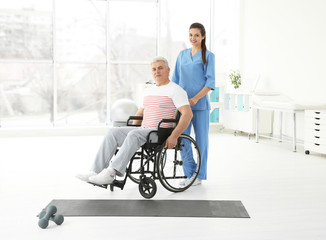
x,y
203,42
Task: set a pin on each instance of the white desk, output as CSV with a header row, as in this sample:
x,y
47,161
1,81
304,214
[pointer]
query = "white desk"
x,y
293,112
281,103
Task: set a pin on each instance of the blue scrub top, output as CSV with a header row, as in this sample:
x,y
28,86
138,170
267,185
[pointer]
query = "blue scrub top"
x,y
192,75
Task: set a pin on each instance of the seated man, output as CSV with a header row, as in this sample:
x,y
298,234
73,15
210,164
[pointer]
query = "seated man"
x,y
160,101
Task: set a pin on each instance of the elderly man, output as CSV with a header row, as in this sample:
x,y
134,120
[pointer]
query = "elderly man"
x,y
160,101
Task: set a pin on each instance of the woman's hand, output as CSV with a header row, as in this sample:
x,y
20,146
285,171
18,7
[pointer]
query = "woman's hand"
x,y
193,101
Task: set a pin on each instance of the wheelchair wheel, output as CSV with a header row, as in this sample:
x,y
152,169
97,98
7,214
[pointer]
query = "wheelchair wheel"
x,y
178,168
147,187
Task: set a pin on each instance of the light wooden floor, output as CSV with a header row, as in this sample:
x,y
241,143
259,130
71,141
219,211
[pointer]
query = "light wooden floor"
x,y
284,192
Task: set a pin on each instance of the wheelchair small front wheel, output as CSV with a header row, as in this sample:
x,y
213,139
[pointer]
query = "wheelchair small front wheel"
x,y
147,187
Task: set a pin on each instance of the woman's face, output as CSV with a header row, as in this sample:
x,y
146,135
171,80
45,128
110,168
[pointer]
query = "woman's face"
x,y
195,37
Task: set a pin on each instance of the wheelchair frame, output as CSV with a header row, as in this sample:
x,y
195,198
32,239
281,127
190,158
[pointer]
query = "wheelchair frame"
x,y
153,162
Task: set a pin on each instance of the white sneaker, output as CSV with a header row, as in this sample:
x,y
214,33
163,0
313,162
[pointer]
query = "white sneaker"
x,y
85,176
187,181
196,182
105,177
182,183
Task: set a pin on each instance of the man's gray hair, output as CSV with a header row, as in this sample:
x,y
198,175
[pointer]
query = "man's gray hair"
x,y
157,59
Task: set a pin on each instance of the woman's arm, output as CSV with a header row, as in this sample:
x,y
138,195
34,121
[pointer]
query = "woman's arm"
x,y
199,95
175,77
210,79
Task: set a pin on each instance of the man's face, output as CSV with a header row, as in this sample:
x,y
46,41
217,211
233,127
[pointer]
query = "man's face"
x,y
160,72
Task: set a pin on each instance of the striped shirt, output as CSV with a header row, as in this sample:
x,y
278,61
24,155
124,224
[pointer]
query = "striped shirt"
x,y
162,102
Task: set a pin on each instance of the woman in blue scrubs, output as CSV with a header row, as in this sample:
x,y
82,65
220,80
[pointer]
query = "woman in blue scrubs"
x,y
195,73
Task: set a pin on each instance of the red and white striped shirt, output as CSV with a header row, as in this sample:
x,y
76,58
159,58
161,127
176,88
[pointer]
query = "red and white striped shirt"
x,y
162,102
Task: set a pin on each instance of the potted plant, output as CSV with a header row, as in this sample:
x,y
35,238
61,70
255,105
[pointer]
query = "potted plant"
x,y
235,78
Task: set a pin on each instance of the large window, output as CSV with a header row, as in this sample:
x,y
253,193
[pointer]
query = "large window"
x,y
132,45
26,30
80,62
65,62
26,55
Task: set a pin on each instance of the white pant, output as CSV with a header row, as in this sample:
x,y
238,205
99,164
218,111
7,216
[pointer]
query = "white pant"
x,y
129,139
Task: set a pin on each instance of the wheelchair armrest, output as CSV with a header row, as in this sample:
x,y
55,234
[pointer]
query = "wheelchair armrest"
x,y
161,133
167,121
164,133
134,118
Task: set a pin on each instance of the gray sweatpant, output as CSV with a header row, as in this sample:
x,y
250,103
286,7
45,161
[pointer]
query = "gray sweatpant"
x,y
129,139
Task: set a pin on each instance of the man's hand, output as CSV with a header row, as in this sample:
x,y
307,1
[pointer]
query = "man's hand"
x,y
185,118
171,142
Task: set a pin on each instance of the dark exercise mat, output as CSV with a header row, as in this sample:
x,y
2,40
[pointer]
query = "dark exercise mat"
x,y
150,208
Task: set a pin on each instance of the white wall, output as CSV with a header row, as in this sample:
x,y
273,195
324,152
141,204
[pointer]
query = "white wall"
x,y
285,41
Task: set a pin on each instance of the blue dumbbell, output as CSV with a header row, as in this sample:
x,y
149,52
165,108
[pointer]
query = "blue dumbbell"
x,y
47,215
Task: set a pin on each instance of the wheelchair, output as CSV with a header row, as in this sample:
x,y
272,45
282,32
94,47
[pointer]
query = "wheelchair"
x,y
172,167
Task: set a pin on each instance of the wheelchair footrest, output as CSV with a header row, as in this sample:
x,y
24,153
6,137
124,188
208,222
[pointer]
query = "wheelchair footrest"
x,y
119,184
116,183
99,185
